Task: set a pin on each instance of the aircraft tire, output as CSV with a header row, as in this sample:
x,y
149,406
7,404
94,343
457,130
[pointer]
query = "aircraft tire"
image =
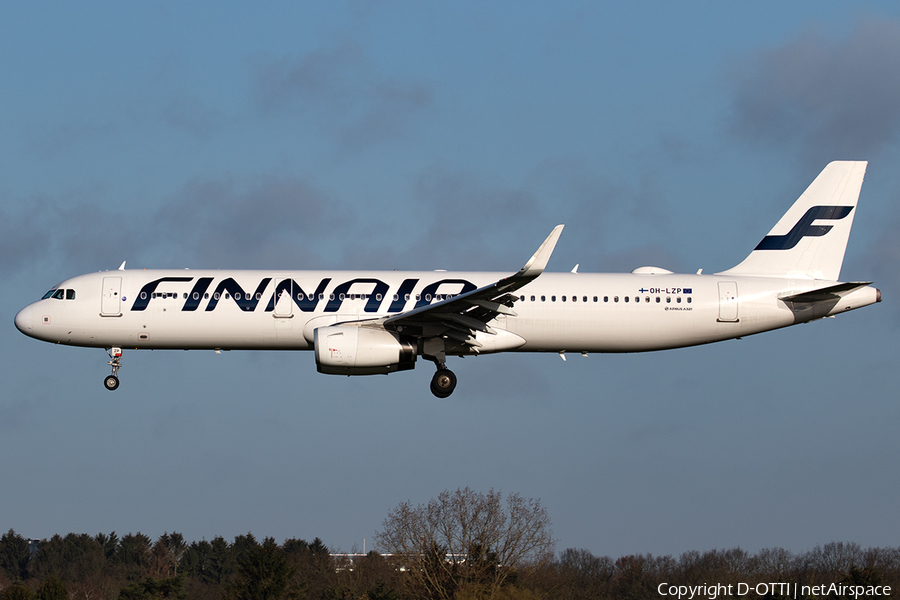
x,y
443,383
111,382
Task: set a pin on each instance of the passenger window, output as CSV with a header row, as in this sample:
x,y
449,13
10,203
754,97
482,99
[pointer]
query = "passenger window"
x,y
647,299
678,300
563,298
615,299
552,298
532,298
584,299
70,294
195,296
689,299
627,299
668,300
657,299
605,298
543,298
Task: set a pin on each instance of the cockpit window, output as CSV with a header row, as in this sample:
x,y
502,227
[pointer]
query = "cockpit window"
x,y
59,294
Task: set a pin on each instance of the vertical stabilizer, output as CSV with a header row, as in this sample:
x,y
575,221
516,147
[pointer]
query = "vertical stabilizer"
x,y
810,239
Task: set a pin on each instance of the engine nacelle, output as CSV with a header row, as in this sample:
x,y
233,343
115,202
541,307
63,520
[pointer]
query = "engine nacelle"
x,y
352,350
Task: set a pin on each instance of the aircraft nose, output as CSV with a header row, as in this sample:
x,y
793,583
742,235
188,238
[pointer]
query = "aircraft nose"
x,y
25,320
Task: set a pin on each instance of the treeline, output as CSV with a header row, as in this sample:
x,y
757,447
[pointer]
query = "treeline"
x,y
133,567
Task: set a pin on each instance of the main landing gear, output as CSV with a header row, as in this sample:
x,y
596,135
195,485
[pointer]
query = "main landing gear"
x,y
112,381
444,381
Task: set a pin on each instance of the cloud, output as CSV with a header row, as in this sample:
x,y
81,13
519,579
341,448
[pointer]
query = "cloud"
x,y
189,114
827,98
339,88
263,222
460,219
453,219
883,258
67,230
271,221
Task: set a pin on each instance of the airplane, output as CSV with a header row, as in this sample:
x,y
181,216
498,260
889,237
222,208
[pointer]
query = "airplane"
x,y
379,322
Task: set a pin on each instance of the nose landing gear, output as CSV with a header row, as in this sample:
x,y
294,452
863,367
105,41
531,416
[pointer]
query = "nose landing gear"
x,y
112,381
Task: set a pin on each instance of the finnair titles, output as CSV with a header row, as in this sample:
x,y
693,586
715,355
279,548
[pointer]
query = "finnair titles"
x,y
377,322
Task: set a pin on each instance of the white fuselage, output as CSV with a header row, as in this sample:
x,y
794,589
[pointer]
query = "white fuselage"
x,y
557,312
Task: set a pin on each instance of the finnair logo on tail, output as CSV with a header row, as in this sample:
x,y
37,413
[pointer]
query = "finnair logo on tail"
x,y
804,227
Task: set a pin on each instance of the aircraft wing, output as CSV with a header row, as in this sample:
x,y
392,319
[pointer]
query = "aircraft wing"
x,y
459,318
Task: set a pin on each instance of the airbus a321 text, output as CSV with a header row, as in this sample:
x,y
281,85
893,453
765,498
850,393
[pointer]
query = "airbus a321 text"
x,y
370,322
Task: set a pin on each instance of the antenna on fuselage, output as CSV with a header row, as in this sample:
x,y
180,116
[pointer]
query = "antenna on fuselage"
x,y
122,266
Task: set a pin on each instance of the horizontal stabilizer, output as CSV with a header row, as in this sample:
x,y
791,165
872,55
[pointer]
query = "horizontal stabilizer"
x,y
825,294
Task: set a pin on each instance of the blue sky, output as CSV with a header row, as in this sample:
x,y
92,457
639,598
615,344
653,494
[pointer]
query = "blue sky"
x,y
455,136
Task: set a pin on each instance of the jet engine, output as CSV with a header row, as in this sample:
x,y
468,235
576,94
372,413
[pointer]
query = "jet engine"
x,y
352,350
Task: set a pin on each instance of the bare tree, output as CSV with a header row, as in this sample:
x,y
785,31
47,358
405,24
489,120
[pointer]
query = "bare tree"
x,y
467,539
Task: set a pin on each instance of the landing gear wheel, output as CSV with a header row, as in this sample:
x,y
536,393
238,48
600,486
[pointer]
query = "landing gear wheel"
x,y
111,382
443,383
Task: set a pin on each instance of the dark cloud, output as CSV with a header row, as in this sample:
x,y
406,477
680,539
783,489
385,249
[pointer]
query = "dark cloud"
x,y
68,231
187,113
268,222
883,261
471,223
822,97
272,222
338,87
454,219
464,220
52,140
